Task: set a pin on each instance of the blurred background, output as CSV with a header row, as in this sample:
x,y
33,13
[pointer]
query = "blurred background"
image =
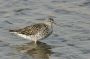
x,y
70,40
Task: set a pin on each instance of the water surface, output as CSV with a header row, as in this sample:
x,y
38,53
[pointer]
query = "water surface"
x,y
70,40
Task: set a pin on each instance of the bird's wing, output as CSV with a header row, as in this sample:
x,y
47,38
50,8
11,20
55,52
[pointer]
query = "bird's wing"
x,y
33,29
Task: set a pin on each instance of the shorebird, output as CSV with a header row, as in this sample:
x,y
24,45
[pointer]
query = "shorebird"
x,y
36,31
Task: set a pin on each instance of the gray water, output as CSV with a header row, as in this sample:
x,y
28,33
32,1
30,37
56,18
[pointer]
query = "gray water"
x,y
70,40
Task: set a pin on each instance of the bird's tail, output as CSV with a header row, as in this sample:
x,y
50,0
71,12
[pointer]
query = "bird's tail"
x,y
12,30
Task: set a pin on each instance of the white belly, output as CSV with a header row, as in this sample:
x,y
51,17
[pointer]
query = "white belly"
x,y
30,37
22,35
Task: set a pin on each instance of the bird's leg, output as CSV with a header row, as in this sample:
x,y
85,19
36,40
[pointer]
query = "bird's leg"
x,y
35,41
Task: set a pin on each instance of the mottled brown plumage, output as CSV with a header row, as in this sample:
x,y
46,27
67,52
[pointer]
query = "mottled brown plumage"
x,y
33,29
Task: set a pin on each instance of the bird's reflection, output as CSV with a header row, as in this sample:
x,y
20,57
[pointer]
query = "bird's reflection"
x,y
37,51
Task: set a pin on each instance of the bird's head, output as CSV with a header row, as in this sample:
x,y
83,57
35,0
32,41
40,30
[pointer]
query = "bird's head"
x,y
51,20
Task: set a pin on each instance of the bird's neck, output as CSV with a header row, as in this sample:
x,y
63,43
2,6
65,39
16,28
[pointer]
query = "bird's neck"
x,y
49,24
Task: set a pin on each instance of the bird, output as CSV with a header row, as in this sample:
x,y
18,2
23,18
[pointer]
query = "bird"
x,y
37,31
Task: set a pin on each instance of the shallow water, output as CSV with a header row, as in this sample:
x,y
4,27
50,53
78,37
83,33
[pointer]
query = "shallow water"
x,y
70,40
